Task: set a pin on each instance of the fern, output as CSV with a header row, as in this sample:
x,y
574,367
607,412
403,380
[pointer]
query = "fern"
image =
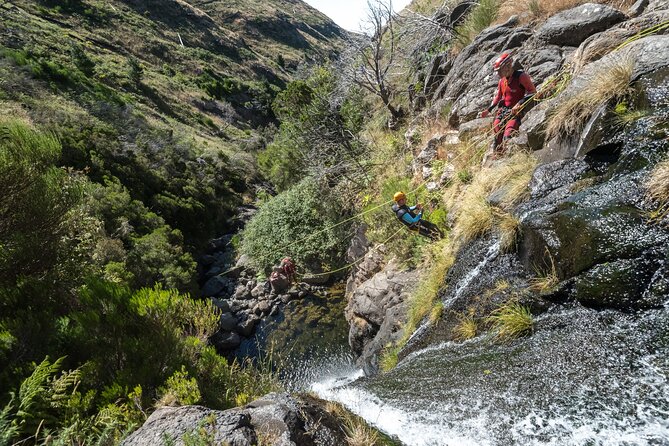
x,y
8,429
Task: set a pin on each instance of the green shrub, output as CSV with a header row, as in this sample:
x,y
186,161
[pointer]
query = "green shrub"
x,y
179,390
298,223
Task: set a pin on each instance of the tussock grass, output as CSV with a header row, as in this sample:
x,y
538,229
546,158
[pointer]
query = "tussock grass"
x,y
511,320
508,227
389,357
545,280
475,216
657,185
466,328
436,312
610,82
358,432
424,299
542,9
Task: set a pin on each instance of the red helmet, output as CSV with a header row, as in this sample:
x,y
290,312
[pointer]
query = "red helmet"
x,y
501,61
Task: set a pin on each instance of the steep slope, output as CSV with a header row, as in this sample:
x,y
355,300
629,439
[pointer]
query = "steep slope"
x,y
124,82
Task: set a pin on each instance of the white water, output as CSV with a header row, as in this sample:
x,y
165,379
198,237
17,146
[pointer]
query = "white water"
x,y
574,386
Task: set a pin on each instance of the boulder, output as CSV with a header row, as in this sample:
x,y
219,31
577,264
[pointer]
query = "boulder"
x,y
247,326
573,26
622,284
227,322
638,8
213,286
370,307
276,419
475,126
597,46
226,340
228,427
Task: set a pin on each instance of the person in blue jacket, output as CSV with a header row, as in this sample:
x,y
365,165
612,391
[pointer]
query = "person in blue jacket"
x,y
414,221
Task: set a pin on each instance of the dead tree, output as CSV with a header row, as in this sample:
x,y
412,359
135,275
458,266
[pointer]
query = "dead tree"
x,y
372,55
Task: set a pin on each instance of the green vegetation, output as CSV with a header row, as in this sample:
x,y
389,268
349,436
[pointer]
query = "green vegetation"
x,y
481,16
511,320
300,223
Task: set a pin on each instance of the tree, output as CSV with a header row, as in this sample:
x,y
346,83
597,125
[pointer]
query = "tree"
x,y
372,56
318,133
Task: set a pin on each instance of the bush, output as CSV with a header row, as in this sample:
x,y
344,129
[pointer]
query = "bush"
x,y
297,223
511,320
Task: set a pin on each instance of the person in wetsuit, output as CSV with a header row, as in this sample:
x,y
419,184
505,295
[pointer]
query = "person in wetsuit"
x,y
414,221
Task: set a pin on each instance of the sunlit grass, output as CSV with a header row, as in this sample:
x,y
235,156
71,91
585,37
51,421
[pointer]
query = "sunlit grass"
x,y
480,17
571,115
511,321
466,328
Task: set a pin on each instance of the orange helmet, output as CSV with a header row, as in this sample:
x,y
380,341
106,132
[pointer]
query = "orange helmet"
x,y
399,196
501,61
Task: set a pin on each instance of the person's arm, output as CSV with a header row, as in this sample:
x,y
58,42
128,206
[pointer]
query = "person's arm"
x,y
411,220
530,91
495,101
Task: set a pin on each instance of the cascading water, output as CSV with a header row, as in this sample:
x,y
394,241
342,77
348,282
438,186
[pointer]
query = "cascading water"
x,y
584,377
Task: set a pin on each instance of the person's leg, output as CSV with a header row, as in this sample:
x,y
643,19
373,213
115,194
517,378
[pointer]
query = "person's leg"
x,y
510,130
430,230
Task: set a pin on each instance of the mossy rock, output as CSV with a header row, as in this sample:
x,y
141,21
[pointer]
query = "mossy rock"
x,y
621,284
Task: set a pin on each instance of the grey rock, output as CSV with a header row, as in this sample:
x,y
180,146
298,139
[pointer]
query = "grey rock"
x,y
227,322
573,26
230,427
260,289
470,128
213,286
221,304
246,327
637,8
277,419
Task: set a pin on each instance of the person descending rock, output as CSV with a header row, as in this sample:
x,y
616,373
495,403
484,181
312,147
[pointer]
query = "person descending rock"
x,y
288,267
514,89
412,220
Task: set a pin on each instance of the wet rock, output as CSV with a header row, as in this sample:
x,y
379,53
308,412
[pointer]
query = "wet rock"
x,y
618,284
247,326
226,340
227,322
573,26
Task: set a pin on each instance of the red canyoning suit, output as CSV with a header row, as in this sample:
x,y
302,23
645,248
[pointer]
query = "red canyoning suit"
x,y
511,91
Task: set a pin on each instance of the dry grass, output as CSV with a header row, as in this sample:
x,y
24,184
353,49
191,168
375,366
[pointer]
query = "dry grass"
x,y
571,115
436,312
535,11
475,216
358,432
657,185
508,228
546,280
511,320
466,328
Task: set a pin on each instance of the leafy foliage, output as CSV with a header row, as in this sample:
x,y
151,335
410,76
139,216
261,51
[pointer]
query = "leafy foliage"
x,y
317,133
301,223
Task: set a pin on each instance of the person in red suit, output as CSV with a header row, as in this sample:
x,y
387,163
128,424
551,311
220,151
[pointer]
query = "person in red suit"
x,y
514,89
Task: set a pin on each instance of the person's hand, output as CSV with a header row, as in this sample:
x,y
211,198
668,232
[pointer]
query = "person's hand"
x,y
419,207
515,110
484,113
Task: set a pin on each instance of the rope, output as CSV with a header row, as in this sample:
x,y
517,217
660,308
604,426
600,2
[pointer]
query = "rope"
x,y
563,76
358,259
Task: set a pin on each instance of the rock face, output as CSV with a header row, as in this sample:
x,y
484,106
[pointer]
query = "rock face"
x,y
376,309
276,419
571,27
